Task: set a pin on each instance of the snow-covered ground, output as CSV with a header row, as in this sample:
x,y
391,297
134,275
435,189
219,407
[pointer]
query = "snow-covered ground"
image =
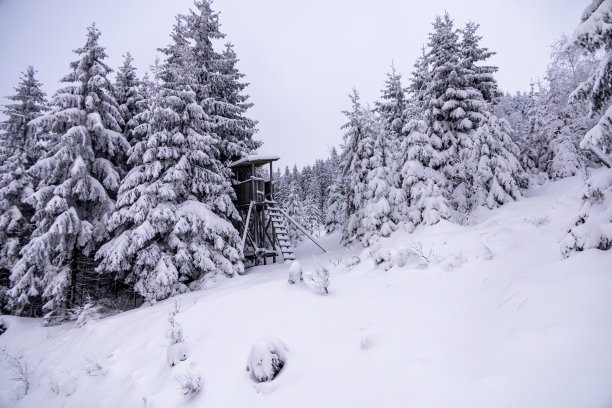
x,y
496,318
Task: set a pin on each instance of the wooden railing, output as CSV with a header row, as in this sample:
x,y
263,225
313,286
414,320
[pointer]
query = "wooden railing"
x,y
251,190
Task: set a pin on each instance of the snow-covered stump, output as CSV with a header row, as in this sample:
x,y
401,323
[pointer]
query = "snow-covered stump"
x,y
267,358
295,273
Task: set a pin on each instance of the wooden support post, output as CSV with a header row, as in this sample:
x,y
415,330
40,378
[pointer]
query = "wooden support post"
x,y
271,184
246,226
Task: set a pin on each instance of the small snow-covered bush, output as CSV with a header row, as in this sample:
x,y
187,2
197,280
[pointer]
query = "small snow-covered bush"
x,y
3,326
191,384
84,314
295,273
319,279
94,368
593,227
349,264
21,372
266,359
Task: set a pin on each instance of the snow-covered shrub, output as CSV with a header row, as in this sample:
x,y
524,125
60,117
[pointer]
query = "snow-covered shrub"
x,y
349,264
487,254
3,326
94,368
84,314
425,257
20,373
295,273
593,227
319,279
191,384
266,359
390,258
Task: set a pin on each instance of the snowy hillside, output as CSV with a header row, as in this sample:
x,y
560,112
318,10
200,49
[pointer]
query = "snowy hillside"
x,y
494,318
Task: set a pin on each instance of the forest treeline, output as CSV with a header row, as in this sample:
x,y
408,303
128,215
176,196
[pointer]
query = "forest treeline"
x,y
118,190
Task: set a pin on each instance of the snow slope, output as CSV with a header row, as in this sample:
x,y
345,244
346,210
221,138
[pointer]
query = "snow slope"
x,y
514,325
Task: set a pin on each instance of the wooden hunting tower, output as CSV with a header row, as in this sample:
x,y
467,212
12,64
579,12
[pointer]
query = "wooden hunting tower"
x,y
263,226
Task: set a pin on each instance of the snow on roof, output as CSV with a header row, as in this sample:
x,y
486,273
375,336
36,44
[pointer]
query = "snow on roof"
x,y
255,159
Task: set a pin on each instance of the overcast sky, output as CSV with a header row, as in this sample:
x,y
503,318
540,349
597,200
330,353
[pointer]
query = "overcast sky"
x,y
301,57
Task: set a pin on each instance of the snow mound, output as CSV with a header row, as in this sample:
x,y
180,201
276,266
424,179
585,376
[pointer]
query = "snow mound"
x,y
295,273
266,359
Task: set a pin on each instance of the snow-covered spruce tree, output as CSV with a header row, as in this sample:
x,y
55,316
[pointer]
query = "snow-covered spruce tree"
x,y
444,148
359,137
514,109
128,95
77,184
533,142
494,165
333,210
19,151
593,227
385,181
218,86
335,214
425,186
384,198
281,186
479,77
313,198
445,117
296,208
171,223
415,104
494,173
565,123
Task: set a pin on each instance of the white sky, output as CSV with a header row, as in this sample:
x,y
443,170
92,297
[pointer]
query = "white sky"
x,y
301,57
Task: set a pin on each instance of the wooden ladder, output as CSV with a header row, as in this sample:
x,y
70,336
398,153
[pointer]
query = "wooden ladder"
x,y
282,235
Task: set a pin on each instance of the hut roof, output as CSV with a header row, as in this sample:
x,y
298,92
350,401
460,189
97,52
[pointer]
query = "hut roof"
x,y
257,160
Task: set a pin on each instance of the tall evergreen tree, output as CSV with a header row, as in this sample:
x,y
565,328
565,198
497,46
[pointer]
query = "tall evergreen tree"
x,y
385,200
218,86
171,225
78,181
295,207
128,95
565,123
359,137
478,76
494,165
593,226
19,151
